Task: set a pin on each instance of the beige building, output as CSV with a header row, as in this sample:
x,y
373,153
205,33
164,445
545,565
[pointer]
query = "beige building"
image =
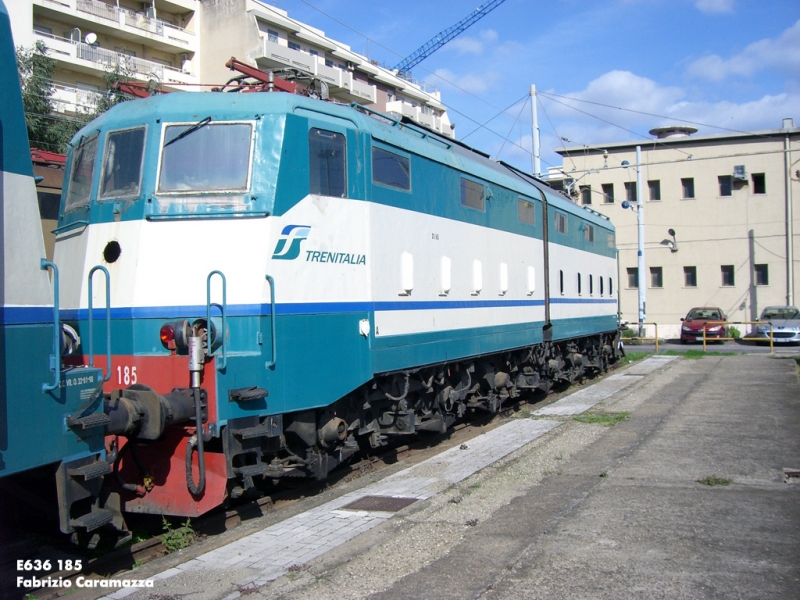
x,y
731,199
184,45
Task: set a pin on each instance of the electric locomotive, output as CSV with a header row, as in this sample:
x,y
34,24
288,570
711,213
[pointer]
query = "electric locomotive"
x,y
270,282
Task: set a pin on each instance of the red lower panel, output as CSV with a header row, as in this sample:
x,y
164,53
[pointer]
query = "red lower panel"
x,y
165,462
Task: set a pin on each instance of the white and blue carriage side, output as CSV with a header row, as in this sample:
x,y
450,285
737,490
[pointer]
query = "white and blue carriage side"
x,y
36,393
328,247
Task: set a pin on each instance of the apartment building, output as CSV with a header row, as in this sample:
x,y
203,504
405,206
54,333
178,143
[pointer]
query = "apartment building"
x,y
155,40
732,201
269,38
184,45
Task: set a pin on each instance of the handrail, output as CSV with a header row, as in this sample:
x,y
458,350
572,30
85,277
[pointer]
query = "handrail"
x,y
69,226
644,338
771,345
224,308
271,363
108,321
55,358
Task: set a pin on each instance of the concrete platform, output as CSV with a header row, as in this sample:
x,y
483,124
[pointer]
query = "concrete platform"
x,y
545,506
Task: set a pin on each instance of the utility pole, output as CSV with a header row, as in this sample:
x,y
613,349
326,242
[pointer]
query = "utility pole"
x,y
787,148
640,224
537,167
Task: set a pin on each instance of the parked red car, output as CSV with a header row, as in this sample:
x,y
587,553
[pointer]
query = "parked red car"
x,y
696,320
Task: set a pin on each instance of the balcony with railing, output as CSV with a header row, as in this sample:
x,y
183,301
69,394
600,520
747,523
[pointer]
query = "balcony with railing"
x,y
340,83
100,59
156,29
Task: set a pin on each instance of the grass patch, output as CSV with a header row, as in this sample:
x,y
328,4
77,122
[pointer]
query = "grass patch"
x,y
177,539
635,356
713,480
607,419
695,354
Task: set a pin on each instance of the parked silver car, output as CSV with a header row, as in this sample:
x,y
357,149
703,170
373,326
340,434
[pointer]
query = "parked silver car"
x,y
785,325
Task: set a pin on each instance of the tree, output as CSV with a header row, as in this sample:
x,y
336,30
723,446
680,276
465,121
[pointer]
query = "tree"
x,y
46,130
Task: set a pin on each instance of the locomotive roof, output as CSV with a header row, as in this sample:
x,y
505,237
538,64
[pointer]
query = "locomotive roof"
x,y
194,106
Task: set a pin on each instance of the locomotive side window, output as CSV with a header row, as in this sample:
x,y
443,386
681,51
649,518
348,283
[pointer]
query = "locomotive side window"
x,y
526,211
472,194
122,164
206,157
561,222
612,241
588,233
327,163
391,169
80,179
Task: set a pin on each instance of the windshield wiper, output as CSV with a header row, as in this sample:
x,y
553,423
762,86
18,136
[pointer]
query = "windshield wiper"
x,y
191,129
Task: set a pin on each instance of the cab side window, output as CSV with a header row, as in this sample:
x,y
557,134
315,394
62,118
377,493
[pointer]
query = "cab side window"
x,y
327,163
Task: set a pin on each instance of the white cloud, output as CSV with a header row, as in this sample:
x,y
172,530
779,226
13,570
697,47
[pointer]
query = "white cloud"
x,y
714,6
474,83
473,45
781,54
665,105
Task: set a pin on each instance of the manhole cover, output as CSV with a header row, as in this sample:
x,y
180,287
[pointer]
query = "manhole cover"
x,y
379,503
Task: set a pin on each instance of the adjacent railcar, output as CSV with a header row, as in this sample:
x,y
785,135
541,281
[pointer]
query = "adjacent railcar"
x,y
37,392
270,281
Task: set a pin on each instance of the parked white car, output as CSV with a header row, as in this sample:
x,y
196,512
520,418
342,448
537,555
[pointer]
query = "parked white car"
x,y
785,325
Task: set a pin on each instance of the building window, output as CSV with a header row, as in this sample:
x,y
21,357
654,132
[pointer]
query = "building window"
x,y
472,194
313,52
526,212
326,159
687,186
630,191
588,233
561,222
759,183
727,275
294,46
656,277
608,193
654,187
725,185
762,274
44,30
586,194
272,36
690,276
633,278
328,63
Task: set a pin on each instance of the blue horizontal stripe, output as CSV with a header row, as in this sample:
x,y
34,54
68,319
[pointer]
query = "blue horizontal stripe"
x,y
22,315
26,315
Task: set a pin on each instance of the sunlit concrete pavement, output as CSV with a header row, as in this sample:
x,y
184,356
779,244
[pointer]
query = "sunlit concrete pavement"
x,y
546,506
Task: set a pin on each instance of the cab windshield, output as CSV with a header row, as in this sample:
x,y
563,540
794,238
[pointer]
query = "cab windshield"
x,y
80,179
205,157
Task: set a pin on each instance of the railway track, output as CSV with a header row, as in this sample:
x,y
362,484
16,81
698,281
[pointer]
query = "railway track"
x,y
122,560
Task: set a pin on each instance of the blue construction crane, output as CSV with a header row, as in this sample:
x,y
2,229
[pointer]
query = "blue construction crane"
x,y
441,38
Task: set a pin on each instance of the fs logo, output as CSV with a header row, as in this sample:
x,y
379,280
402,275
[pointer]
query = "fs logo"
x,y
288,246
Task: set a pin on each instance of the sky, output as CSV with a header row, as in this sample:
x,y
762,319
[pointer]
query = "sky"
x,y
605,71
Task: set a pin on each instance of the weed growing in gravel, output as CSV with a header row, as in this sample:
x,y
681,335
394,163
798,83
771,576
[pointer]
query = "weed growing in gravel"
x,y
177,539
607,419
713,480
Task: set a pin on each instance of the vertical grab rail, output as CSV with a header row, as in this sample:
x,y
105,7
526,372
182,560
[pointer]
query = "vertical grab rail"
x,y
271,363
224,308
108,321
55,358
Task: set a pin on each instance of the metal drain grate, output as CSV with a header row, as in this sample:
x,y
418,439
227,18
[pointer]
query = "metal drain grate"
x,y
379,503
